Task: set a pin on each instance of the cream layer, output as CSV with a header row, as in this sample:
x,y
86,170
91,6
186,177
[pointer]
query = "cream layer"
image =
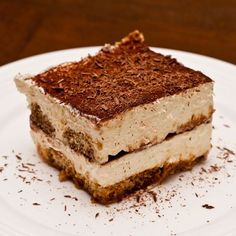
x,y
177,148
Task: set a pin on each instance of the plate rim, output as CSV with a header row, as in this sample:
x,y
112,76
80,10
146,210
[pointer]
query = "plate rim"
x,y
27,59
12,63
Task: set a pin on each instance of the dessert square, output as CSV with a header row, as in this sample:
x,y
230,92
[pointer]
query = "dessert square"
x,y
121,120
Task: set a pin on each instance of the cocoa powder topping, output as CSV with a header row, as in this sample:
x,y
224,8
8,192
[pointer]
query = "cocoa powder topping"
x,y
118,78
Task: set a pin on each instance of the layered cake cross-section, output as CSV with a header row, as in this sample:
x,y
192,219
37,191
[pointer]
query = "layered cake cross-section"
x,y
120,120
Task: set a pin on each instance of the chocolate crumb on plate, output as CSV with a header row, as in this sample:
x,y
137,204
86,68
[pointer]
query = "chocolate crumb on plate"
x,y
207,206
22,177
36,204
30,164
154,195
214,168
18,157
138,198
97,214
229,151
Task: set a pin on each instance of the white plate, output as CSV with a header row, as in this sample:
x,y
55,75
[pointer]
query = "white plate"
x,y
178,209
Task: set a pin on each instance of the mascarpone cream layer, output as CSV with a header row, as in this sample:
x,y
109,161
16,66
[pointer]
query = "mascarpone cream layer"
x,y
183,146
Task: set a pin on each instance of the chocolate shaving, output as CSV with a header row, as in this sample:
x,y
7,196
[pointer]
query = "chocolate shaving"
x,y
58,89
24,166
28,171
36,204
18,157
214,168
35,178
94,76
154,195
99,65
138,198
22,177
44,79
104,107
30,164
61,80
229,151
207,206
117,102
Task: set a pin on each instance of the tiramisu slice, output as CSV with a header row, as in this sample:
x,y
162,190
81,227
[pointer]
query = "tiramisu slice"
x,y
121,120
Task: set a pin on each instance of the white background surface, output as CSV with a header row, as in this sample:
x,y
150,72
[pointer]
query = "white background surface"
x,y
178,209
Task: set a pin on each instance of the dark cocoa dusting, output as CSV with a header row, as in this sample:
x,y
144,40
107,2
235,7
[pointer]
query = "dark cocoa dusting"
x,y
118,78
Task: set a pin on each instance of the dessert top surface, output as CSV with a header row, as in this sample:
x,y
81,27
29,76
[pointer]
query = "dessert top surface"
x,y
118,78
